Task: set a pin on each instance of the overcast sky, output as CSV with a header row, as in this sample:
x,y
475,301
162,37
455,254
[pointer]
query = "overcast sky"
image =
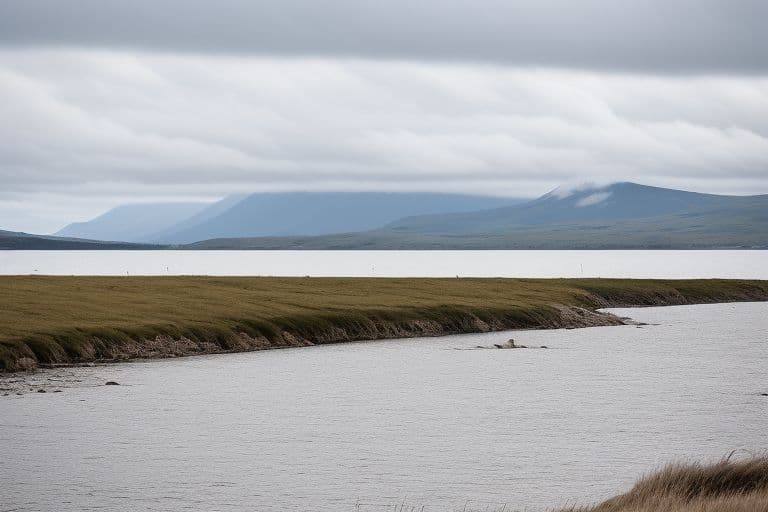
x,y
107,102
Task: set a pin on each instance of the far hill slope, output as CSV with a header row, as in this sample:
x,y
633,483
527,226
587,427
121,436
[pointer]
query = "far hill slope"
x,y
213,210
620,216
319,213
617,202
132,222
12,240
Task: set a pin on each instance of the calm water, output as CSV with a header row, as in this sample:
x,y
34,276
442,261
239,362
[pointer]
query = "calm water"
x,y
320,428
636,264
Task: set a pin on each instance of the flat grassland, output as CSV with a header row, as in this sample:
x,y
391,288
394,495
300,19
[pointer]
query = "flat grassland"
x,y
47,320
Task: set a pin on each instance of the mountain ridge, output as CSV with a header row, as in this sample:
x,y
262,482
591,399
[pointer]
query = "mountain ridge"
x,y
270,214
312,214
624,200
618,216
131,222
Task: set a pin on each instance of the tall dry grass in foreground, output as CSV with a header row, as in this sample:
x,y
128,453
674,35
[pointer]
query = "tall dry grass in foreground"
x,y
727,486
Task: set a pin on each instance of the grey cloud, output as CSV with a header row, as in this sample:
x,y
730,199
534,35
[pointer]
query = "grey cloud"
x,y
678,36
91,128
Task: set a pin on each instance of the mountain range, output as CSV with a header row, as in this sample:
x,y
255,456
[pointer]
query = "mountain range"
x,y
270,214
618,216
132,222
613,203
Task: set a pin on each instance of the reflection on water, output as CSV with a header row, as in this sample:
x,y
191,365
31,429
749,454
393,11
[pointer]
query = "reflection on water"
x,y
378,423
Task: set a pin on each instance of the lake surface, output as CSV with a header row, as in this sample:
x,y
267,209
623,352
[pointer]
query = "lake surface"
x,y
630,264
363,426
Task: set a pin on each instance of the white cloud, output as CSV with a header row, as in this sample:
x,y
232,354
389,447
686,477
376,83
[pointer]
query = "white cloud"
x,y
82,124
593,199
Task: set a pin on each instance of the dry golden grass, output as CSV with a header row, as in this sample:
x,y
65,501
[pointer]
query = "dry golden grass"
x,y
727,486
77,319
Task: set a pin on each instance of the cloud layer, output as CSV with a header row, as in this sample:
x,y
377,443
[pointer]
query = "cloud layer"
x,y
105,127
658,36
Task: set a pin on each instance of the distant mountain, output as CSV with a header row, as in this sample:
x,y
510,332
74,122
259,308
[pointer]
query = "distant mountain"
x,y
315,213
25,241
619,216
611,203
170,233
745,229
132,222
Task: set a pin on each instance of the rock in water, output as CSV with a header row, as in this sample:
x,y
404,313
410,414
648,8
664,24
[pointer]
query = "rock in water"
x,y
111,383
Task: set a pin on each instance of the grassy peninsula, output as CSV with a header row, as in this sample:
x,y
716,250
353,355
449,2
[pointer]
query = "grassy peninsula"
x,y
47,320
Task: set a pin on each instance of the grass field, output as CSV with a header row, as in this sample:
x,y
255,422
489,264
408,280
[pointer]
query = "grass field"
x,y
60,320
727,486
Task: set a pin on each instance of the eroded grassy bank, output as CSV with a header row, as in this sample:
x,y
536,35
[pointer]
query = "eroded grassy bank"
x,y
46,320
726,486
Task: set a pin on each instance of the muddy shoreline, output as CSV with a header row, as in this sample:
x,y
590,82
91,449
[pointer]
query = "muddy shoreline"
x,y
54,378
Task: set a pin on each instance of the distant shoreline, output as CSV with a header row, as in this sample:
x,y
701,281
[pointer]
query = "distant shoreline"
x,y
343,243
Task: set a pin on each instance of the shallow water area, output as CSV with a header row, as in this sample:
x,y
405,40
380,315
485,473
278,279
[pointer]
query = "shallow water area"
x,y
55,380
365,426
